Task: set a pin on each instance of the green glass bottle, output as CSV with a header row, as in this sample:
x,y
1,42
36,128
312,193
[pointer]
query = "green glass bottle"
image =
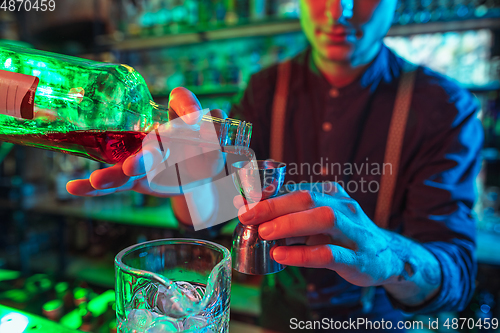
x,y
96,110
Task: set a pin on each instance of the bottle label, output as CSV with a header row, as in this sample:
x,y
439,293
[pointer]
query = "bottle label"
x,y
17,94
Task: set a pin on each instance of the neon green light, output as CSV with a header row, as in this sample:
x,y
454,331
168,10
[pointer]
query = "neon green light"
x,y
53,305
14,322
16,295
6,274
62,287
99,304
44,90
72,320
79,293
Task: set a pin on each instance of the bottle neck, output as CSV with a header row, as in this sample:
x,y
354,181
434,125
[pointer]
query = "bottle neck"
x,y
230,132
234,132
160,112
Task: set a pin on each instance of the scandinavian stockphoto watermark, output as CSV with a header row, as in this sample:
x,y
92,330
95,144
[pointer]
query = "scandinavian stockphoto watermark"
x,y
364,324
27,5
189,160
353,177
354,324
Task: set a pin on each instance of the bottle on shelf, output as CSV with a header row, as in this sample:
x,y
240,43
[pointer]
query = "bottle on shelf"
x,y
146,20
95,110
460,10
53,309
243,11
219,13
445,12
176,78
272,8
424,13
192,73
179,16
257,10
192,10
231,73
231,16
164,19
204,13
211,76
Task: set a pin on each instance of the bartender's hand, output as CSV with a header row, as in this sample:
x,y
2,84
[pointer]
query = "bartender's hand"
x,y
335,233
131,173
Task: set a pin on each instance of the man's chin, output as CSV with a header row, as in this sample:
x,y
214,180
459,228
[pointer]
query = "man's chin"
x,y
337,52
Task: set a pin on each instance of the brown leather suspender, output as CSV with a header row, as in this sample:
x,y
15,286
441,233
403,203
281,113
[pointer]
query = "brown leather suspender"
x,y
279,111
393,145
393,148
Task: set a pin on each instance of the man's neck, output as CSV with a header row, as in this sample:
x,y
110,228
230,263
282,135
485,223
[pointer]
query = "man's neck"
x,y
340,74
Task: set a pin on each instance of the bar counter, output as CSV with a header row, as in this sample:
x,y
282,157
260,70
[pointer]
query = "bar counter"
x,y
13,320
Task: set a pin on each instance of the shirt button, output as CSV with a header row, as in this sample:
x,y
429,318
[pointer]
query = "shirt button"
x,y
327,126
334,92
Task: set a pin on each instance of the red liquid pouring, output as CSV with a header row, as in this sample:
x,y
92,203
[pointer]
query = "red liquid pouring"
x,y
103,146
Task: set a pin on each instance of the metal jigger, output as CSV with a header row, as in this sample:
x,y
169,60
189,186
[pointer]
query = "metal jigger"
x,y
256,181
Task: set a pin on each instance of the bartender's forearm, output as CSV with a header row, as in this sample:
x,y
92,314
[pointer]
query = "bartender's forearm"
x,y
418,274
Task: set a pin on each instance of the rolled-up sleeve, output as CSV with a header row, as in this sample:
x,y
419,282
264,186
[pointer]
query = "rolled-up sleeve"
x,y
439,201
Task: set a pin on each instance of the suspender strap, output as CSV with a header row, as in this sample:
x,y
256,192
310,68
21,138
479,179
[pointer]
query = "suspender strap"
x,y
279,111
393,148
394,140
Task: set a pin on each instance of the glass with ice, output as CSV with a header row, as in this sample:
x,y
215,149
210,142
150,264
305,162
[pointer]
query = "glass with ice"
x,y
173,285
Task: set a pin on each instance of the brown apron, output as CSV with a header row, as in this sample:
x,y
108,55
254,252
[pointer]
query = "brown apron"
x,y
292,302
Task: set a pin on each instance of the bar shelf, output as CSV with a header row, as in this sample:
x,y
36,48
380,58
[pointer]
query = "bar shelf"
x,y
201,91
117,41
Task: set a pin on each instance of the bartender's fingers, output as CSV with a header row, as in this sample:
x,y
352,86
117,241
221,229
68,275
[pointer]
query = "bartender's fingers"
x,y
107,178
272,208
320,220
322,256
183,103
241,203
149,157
319,239
218,113
83,188
142,186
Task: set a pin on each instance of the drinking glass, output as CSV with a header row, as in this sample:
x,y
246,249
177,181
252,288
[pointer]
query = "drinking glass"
x,y
173,285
